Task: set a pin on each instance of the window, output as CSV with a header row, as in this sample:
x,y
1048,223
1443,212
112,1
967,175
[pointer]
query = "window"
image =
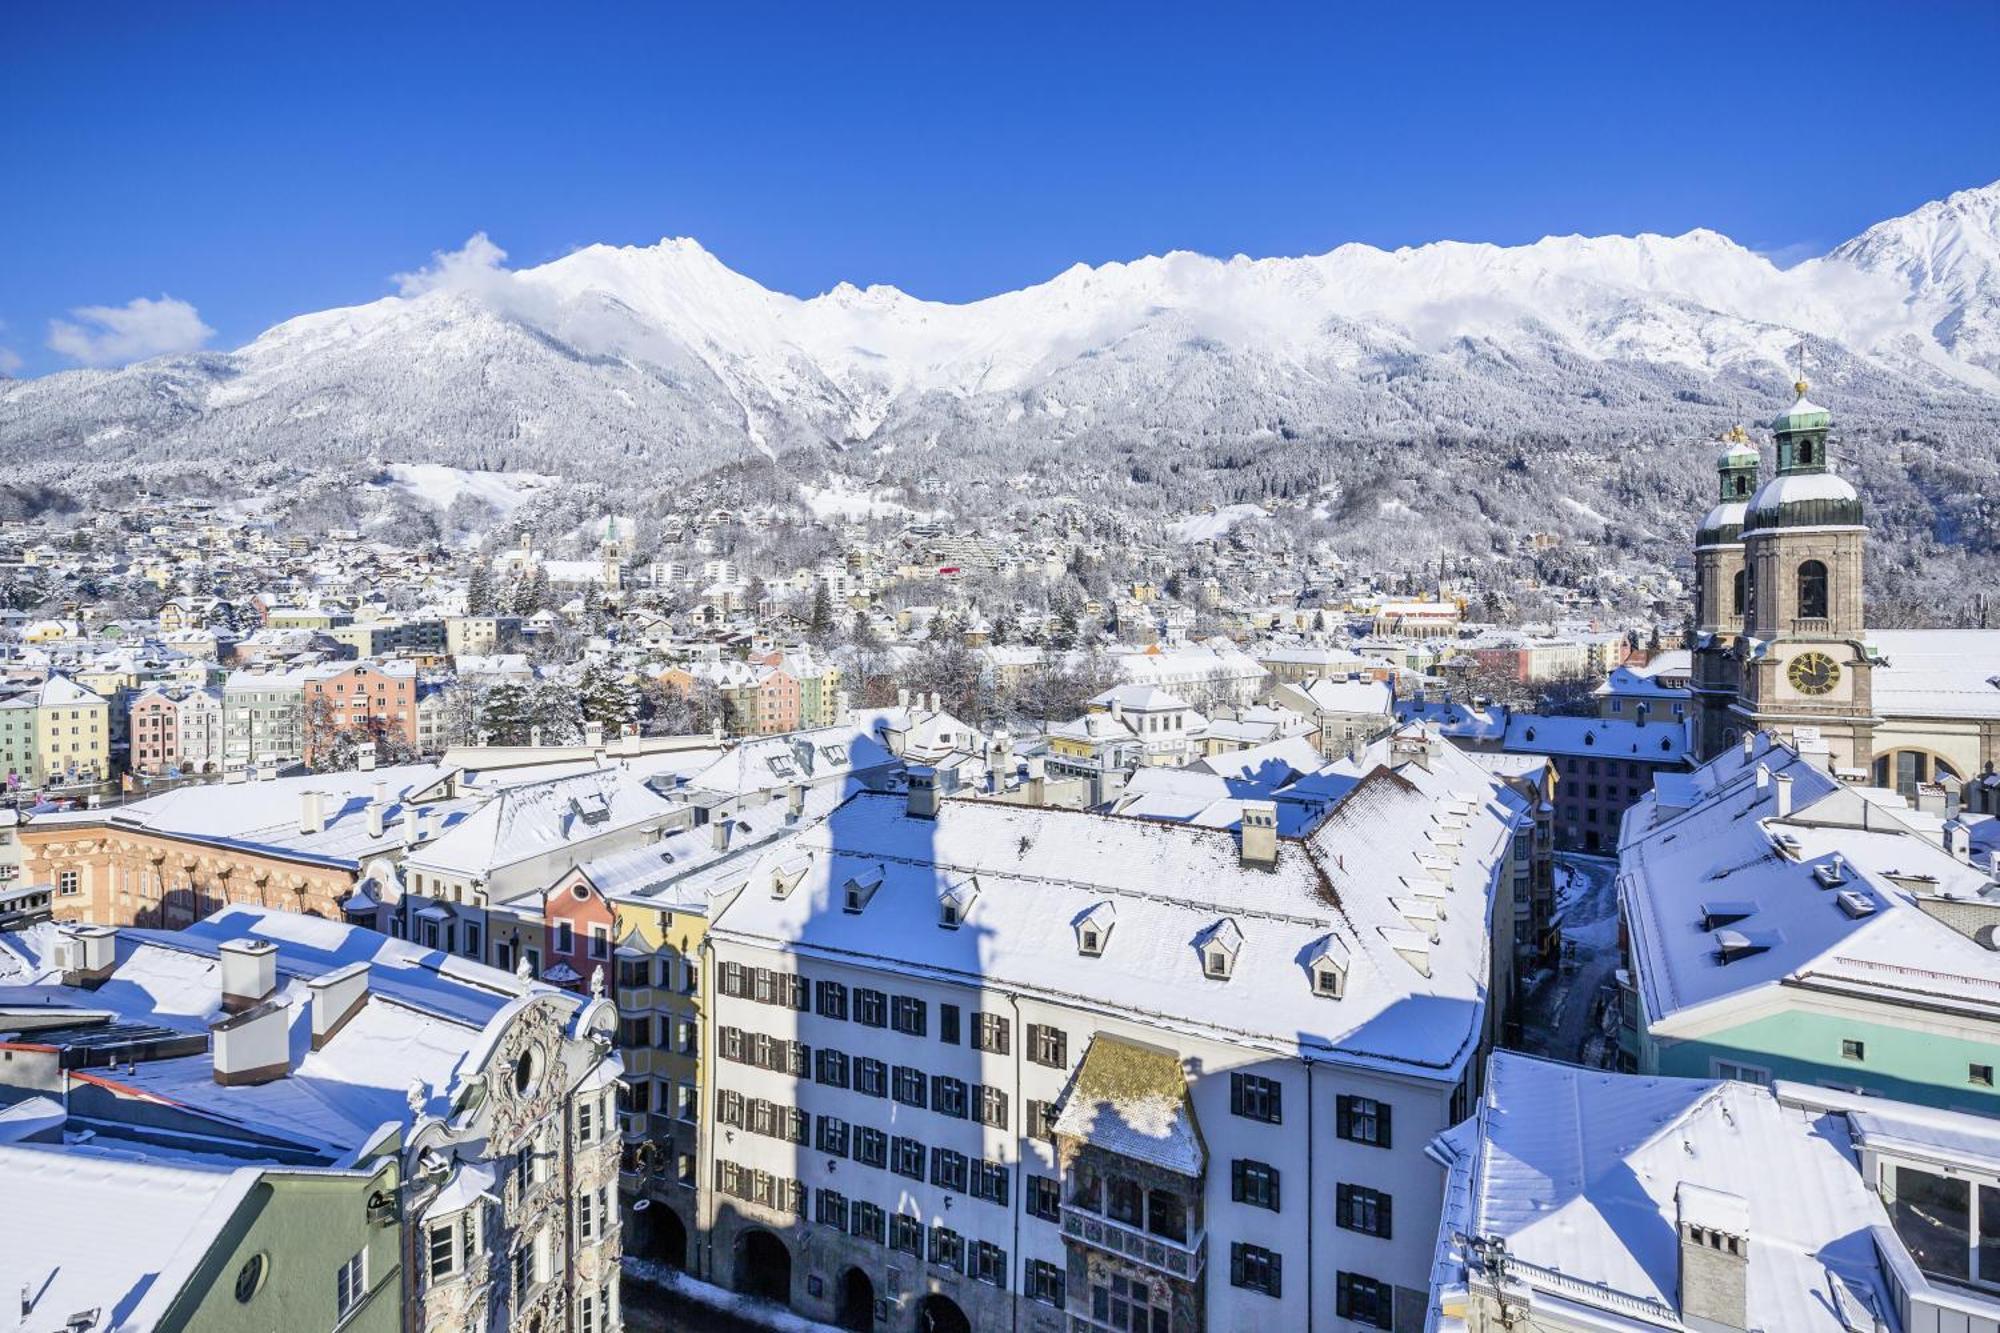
x,y
871,1076
1853,1050
871,1008
871,1146
949,1096
830,1209
586,1217
1358,1208
948,1249
907,1235
832,1136
600,942
587,1313
907,1158
948,1170
1254,1183
989,1182
906,1015
990,1107
1812,590
989,1264
948,1024
1126,1304
1979,1076
868,1222
1042,1121
908,1086
350,1284
1048,1046
1363,1120
1743,1073
989,1033
443,1252
1256,1098
1045,1198
565,937
586,1120
1364,1300
1256,1268
831,1068
1045,1282
830,999
1124,1201
69,881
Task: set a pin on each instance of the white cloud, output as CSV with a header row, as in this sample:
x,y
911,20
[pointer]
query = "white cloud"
x,y
10,361
474,267
110,335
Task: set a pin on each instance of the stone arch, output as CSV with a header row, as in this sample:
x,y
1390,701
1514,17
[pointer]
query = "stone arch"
x,y
763,1266
939,1313
854,1301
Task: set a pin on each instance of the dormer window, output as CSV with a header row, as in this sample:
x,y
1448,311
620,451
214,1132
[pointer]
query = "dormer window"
x,y
1093,928
955,900
1326,963
1219,945
860,888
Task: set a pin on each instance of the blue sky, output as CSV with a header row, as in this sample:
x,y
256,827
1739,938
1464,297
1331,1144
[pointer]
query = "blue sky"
x,y
259,161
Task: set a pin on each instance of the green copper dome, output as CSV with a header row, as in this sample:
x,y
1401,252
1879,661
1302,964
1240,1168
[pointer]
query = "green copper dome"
x,y
1802,414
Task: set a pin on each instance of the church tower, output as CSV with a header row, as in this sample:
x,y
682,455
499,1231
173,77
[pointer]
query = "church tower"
x,y
1802,659
1721,592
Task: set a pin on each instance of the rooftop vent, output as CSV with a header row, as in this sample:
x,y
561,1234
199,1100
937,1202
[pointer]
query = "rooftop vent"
x,y
1733,945
1856,903
1728,912
1831,873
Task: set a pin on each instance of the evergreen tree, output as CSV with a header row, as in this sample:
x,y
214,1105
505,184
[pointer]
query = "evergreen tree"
x,y
820,624
604,695
479,595
504,715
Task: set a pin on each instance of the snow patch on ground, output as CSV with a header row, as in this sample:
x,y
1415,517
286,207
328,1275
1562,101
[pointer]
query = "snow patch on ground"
x,y
1209,527
840,500
439,486
679,1284
1577,507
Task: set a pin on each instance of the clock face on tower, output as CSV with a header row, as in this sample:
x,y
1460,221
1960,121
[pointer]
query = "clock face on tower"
x,y
1813,673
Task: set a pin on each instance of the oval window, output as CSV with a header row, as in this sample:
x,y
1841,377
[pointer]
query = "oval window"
x,y
580,893
250,1277
525,1073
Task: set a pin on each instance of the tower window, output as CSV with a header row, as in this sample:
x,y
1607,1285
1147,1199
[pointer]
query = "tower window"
x,y
1805,451
1812,590
1743,485
1739,592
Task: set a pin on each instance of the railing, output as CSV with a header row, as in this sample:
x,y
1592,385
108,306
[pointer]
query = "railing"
x,y
1181,1259
1918,974
1592,1293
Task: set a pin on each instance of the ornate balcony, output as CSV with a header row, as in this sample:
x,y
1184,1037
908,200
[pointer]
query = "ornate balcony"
x,y
1178,1259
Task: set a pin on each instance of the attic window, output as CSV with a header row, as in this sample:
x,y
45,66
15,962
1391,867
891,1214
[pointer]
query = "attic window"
x,y
948,914
1093,928
1089,941
1590,738
1666,743
1328,981
1529,734
1215,962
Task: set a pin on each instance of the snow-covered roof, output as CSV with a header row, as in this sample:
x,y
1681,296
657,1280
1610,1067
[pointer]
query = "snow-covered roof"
x,y
1831,891
539,817
1131,1100
1040,868
1937,673
1585,1177
1658,742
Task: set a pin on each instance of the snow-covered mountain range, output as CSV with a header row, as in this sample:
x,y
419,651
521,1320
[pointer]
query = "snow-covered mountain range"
x,y
661,359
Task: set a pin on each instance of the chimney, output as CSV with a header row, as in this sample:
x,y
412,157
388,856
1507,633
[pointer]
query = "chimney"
x,y
336,997
88,955
795,802
253,1045
593,735
1930,799
1749,745
364,756
1957,840
375,813
423,823
249,973
1038,780
923,794
718,834
312,812
903,697
1260,834
381,791
1783,782
1763,778
535,735
1714,1258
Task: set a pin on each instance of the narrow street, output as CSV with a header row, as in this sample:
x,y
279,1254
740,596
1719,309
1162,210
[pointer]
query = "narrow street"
x,y
1563,1012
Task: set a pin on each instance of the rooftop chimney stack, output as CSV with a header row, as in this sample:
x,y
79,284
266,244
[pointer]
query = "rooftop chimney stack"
x,y
1260,834
1714,1259
336,997
423,823
1038,780
718,834
312,812
923,795
1749,745
87,955
253,1045
249,973
364,756
375,814
795,802
1783,782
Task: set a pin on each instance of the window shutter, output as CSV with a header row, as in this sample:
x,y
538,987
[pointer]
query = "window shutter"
x,y
937,1091
1344,1118
1343,1204
1382,1124
1277,1262
1062,1049
1236,1182
1236,1265
1236,1094
1343,1301
1275,1206
1382,1211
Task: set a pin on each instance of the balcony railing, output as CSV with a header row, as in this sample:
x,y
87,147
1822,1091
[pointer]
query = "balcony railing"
x,y
1181,1259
